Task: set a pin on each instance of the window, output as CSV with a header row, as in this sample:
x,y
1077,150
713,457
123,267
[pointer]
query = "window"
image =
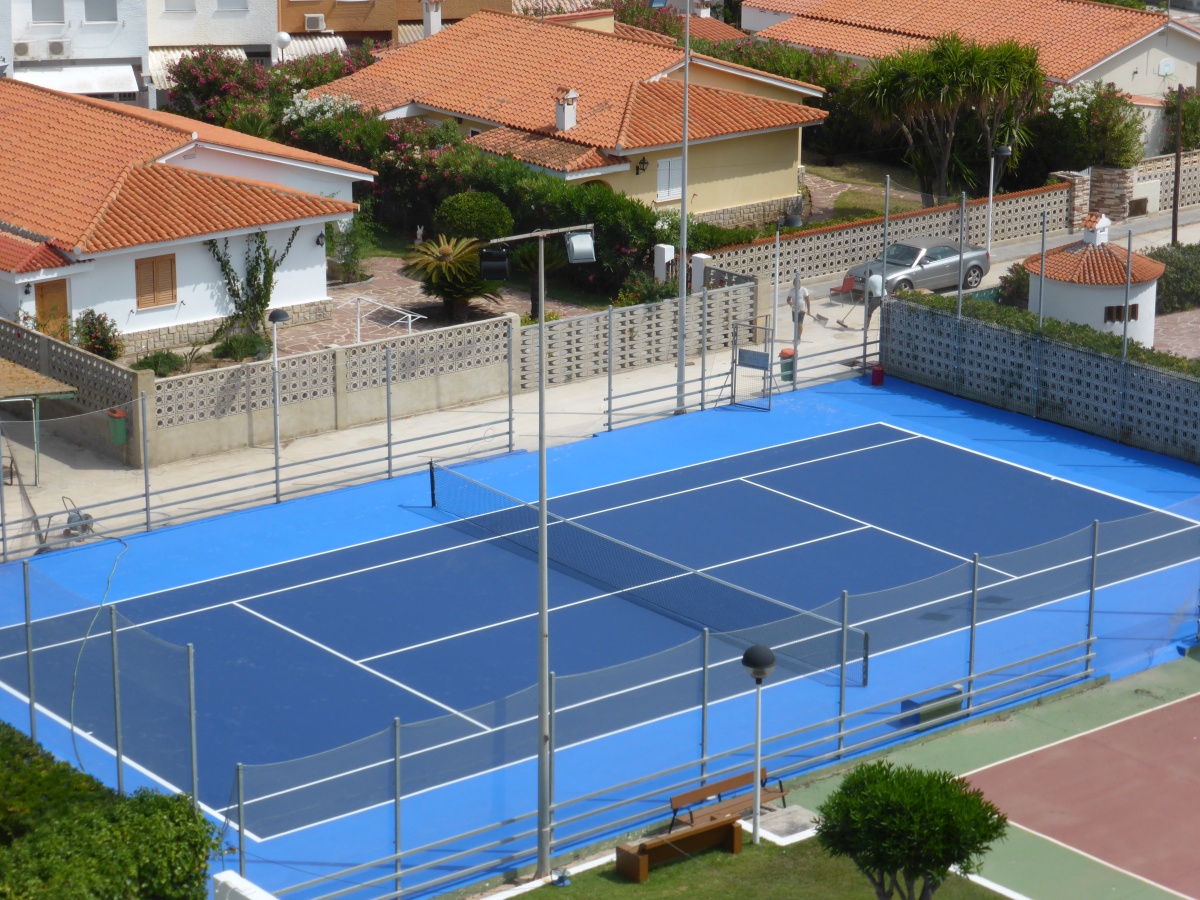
x,y
100,10
48,11
937,254
670,178
1117,313
232,4
180,5
156,281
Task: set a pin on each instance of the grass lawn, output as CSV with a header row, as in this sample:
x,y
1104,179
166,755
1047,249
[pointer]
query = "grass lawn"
x,y
388,242
865,203
857,170
765,872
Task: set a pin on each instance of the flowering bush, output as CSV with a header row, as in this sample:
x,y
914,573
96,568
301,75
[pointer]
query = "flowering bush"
x,y
209,83
334,126
1091,124
97,333
640,287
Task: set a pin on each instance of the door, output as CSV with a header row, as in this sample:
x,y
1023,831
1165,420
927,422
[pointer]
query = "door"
x,y
939,268
52,316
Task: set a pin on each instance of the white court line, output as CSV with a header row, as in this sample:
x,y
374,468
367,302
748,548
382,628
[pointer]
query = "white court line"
x,y
1103,862
357,665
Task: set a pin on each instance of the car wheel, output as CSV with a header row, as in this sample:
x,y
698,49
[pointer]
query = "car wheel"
x,y
974,276
903,285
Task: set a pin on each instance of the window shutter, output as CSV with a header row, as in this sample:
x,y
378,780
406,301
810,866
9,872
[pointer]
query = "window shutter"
x,y
164,280
670,178
145,283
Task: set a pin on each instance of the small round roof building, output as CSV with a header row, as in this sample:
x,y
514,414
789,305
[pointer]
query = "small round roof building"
x,y
1085,283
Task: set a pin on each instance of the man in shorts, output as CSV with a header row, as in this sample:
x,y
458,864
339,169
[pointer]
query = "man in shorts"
x,y
802,311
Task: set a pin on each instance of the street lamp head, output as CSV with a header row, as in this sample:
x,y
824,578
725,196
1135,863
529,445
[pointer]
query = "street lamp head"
x,y
278,315
1002,152
791,221
759,661
580,247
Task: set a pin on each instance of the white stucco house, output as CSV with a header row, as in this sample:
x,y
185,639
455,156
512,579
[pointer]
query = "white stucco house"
x,y
93,47
6,41
107,206
1085,283
1146,54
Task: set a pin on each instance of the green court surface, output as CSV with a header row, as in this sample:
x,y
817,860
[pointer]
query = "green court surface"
x,y
1026,863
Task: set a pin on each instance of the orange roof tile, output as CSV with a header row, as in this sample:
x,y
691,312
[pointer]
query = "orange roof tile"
x,y
1071,35
643,34
543,150
81,172
1101,265
18,381
21,255
709,29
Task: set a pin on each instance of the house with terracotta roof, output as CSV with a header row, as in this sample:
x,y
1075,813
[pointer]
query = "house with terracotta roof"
x,y
585,105
1146,54
107,206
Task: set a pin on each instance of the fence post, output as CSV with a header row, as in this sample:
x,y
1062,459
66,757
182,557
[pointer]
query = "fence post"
x,y
387,369
1091,616
396,732
145,429
703,343
974,622
551,736
275,415
29,652
241,803
511,430
842,677
191,677
611,356
3,515
704,710
116,669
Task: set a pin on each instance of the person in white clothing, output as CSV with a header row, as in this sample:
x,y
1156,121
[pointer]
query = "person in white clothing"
x,y
801,311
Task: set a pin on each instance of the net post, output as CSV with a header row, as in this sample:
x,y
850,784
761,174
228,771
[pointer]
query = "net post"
x,y
275,417
241,813
511,430
1091,616
396,774
553,742
145,429
116,670
974,624
3,515
703,342
387,368
432,487
704,709
842,674
191,679
611,356
29,652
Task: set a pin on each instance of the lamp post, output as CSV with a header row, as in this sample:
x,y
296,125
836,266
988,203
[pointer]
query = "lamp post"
x,y
684,269
581,248
1002,152
276,316
759,661
282,40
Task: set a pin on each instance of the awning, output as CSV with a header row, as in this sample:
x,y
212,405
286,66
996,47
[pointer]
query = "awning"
x,y
313,45
82,79
162,58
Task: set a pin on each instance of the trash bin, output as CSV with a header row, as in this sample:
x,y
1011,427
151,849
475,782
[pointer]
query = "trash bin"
x,y
786,363
116,426
877,375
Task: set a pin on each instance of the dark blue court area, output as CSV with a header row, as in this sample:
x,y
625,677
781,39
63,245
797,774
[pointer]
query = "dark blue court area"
x,y
303,666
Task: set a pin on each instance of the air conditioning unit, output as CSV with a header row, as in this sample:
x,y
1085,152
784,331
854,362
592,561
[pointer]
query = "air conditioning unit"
x,y
314,22
58,49
25,49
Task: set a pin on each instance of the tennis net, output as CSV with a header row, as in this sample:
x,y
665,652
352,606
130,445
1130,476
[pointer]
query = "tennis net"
x,y
802,641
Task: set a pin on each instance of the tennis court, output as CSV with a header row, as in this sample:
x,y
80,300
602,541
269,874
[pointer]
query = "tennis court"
x,y
303,664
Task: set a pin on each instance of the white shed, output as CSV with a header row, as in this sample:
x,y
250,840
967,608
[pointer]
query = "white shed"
x,y
1085,283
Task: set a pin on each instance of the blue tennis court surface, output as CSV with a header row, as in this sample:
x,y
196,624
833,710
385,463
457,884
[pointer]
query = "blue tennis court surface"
x,y
747,524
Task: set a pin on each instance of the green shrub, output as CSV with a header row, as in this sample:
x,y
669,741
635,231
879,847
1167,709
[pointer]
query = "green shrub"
x,y
242,345
1179,287
1014,287
97,333
640,287
349,245
474,214
533,320
162,363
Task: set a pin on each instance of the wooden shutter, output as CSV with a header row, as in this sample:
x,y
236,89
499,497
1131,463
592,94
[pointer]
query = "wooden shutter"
x,y
145,283
156,281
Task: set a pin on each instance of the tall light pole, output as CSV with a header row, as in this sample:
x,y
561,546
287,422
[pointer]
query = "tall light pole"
x,y
276,316
759,661
580,249
1002,152
684,268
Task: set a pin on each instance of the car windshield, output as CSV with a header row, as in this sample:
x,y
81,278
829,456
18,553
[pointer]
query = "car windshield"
x,y
902,255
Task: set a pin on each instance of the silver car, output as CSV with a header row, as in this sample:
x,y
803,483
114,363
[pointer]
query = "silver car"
x,y
930,263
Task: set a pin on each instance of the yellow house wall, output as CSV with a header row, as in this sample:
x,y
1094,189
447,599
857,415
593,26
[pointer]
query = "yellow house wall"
x,y
720,173
734,82
377,15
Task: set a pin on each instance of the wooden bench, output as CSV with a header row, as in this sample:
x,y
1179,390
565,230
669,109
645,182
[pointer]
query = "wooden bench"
x,y
634,860
724,806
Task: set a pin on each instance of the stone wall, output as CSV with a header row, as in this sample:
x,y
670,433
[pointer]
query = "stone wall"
x,y
755,215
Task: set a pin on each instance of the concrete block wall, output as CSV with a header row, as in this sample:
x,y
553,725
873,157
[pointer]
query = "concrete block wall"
x,y
175,337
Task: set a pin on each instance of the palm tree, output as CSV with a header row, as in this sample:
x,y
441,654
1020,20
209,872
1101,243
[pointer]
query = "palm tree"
x,y
448,268
525,259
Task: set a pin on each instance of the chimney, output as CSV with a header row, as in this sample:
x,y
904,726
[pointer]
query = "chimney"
x,y
1095,228
564,109
431,17
703,9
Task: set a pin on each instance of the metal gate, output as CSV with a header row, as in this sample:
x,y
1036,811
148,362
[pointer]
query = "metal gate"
x,y
752,376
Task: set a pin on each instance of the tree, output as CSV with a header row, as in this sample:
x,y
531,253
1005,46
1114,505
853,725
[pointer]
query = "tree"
x,y
1191,119
525,259
476,214
905,828
251,295
1007,87
448,269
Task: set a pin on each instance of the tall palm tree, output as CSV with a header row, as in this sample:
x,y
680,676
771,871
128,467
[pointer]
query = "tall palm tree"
x,y
448,268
